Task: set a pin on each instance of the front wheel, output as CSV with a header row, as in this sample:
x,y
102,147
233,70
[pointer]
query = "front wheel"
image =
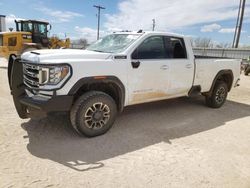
x,y
219,95
93,114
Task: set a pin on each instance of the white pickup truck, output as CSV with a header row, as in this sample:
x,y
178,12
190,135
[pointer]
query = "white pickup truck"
x,y
121,69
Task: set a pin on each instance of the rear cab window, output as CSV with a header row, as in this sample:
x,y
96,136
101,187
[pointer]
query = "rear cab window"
x,y
175,48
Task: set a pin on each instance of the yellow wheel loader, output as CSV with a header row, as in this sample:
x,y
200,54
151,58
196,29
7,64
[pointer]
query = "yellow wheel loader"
x,y
29,35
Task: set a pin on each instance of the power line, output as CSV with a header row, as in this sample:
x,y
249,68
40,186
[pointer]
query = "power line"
x,y
239,24
98,24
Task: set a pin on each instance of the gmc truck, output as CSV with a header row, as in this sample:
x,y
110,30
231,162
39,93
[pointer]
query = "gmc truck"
x,y
121,69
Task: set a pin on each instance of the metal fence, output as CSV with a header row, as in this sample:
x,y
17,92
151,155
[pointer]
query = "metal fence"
x,y
223,52
77,46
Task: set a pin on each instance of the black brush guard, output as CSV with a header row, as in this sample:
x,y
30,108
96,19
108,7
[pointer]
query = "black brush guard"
x,y
26,105
17,87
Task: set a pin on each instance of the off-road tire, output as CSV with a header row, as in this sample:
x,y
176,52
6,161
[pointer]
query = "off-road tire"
x,y
219,95
85,104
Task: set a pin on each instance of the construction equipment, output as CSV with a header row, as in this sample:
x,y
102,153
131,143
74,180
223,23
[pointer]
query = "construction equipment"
x,y
29,35
246,66
56,43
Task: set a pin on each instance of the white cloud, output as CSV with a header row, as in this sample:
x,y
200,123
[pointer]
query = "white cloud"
x,y
88,33
227,30
58,15
10,21
10,18
169,14
210,28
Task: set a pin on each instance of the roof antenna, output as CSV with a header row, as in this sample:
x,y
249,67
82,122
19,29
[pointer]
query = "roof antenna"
x,y
140,31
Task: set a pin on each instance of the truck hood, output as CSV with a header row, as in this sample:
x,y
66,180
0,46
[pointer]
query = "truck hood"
x,y
50,56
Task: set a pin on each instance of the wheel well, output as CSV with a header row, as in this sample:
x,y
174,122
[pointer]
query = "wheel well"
x,y
109,88
227,78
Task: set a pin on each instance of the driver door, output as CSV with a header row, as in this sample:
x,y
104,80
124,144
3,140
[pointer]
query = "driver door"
x,y
148,71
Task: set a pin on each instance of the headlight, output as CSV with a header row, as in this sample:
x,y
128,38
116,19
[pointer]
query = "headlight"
x,y
56,74
53,75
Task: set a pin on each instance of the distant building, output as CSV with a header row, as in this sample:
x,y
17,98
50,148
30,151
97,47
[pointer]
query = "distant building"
x,y
2,23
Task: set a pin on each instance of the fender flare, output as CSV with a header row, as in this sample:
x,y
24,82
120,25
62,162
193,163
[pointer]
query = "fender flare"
x,y
101,79
219,74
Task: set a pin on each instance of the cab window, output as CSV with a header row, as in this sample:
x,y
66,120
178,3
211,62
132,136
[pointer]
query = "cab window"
x,y
175,48
42,28
27,27
12,41
151,48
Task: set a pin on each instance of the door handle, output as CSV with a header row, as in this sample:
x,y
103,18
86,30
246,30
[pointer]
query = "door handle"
x,y
164,67
135,64
189,66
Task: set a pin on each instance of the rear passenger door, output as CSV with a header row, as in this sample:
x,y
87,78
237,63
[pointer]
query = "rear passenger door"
x,y
181,66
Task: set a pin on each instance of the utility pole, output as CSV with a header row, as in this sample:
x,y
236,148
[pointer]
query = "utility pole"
x,y
98,26
239,24
153,24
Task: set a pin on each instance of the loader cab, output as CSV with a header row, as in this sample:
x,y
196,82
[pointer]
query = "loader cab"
x,y
38,30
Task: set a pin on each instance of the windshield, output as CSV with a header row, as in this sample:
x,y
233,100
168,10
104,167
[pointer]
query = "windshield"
x,y
114,43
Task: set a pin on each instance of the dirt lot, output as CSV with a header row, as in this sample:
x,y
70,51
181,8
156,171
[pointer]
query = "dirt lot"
x,y
174,143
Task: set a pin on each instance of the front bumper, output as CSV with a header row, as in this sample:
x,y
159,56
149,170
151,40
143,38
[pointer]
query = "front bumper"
x,y
40,108
27,104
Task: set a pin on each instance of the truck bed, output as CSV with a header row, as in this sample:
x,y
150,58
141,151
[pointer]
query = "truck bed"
x,y
207,69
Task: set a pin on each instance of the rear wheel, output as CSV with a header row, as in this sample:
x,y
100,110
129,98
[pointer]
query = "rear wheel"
x,y
93,114
219,95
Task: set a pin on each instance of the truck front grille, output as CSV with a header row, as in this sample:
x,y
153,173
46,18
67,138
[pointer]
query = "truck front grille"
x,y
31,75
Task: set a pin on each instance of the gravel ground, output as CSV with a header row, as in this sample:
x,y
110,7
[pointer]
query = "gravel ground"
x,y
173,143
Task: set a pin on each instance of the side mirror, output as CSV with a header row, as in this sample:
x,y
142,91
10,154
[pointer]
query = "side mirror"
x,y
50,26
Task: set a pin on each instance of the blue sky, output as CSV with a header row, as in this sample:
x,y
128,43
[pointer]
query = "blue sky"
x,y
77,18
